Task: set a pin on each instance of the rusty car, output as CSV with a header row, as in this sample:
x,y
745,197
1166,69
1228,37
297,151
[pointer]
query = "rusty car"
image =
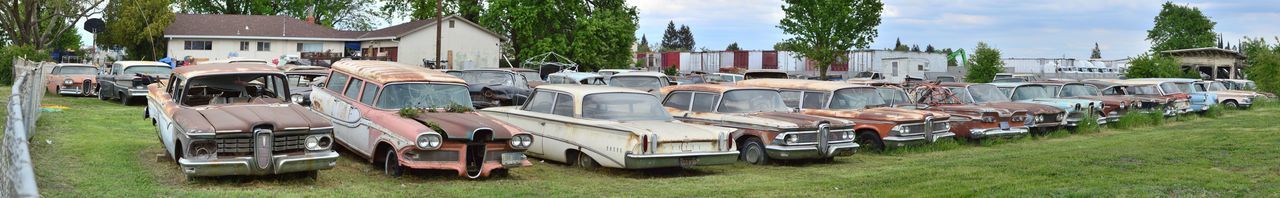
x,y
1113,106
127,80
1199,98
235,119
397,116
1173,102
72,79
594,126
1040,93
876,124
968,121
1039,118
1244,85
497,86
1228,97
577,78
302,80
768,128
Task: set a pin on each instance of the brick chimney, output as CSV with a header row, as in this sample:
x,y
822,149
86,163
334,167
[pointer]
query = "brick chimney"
x,y
311,15
311,19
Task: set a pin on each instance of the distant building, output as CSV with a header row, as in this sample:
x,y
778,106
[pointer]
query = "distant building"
x,y
214,37
1211,62
895,65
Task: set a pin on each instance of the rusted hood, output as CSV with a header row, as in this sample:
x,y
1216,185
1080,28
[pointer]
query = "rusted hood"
x,y
1028,107
883,114
76,78
786,120
242,118
463,125
974,112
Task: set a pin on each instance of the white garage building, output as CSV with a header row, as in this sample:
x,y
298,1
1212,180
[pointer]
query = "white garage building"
x,y
464,44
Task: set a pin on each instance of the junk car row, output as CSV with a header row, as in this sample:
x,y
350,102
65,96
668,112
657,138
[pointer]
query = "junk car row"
x,y
256,119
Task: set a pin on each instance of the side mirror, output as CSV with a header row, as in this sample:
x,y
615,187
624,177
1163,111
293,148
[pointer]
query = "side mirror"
x,y
321,84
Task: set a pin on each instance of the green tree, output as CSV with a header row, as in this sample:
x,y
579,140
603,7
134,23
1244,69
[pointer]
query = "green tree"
x,y
930,49
784,46
824,30
915,48
137,26
644,45
1181,27
70,40
733,47
39,23
671,38
686,38
340,14
9,53
243,7
1154,66
984,64
1097,52
1264,63
595,34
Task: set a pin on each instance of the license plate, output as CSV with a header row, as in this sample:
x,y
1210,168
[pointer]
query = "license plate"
x,y
513,159
1004,125
688,162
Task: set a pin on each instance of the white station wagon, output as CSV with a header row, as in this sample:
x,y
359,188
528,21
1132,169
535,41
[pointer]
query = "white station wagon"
x,y
592,126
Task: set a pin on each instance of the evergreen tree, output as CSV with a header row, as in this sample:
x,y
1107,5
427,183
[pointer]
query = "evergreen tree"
x,y
671,38
644,45
1097,52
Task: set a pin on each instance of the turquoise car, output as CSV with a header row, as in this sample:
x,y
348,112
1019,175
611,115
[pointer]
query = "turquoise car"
x,y
1076,109
1201,99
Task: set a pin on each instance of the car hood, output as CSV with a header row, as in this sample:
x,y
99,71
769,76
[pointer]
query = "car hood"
x,y
1070,103
1108,100
463,126
1030,108
242,118
975,112
785,120
883,114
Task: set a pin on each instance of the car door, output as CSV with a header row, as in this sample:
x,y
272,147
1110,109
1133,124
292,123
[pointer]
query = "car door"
x,y
356,133
329,103
161,110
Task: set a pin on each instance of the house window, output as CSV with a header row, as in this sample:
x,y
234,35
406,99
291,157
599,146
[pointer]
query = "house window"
x,y
920,68
244,45
310,47
264,46
197,45
450,23
895,69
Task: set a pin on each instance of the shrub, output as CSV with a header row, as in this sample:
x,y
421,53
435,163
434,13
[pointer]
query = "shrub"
x,y
10,53
1088,124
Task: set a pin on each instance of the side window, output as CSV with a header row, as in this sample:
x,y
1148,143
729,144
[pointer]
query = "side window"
x,y
370,90
353,90
791,98
814,100
172,81
563,106
678,100
176,90
338,82
540,102
705,102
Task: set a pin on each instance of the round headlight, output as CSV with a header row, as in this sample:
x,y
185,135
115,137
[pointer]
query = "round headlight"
x,y
848,135
792,139
521,141
296,99
313,143
428,141
68,82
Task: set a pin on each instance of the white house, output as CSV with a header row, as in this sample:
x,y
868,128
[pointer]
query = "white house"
x,y
464,44
897,65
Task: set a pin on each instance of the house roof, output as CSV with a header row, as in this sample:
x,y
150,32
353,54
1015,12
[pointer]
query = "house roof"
x,y
286,27
1205,51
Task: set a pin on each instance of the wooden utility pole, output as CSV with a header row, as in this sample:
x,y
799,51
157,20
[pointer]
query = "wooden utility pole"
x,y
439,19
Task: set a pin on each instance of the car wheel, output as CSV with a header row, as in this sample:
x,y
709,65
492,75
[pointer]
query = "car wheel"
x,y
56,89
1231,104
753,152
586,162
101,96
871,141
124,100
390,164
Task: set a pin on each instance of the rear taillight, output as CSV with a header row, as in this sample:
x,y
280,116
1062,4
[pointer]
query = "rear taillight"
x,y
644,144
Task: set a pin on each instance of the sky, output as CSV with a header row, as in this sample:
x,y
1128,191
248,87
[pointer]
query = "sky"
x,y
1019,28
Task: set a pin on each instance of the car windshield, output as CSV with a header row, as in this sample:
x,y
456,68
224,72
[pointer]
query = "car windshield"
x,y
1076,90
1250,86
403,95
893,96
530,75
1186,87
1170,88
856,98
1030,92
492,78
959,92
638,82
623,107
76,70
303,80
233,89
147,69
1145,90
1217,86
752,100
986,93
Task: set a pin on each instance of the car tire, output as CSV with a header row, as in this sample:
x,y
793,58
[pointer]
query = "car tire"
x,y
870,140
102,96
753,152
56,89
1231,104
586,162
390,164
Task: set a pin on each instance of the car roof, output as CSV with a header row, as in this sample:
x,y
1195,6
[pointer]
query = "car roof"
x,y
137,63
1009,84
582,90
382,72
1168,79
577,75
799,84
224,68
716,88
75,65
498,69
640,73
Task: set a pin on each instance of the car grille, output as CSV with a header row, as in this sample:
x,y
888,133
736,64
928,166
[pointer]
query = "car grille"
x,y
1050,118
242,146
919,128
810,137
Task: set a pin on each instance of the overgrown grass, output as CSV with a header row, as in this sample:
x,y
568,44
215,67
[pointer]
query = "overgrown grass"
x,y
1088,124
102,149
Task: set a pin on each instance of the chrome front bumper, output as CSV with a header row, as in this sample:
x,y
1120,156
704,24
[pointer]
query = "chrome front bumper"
x,y
242,165
634,161
810,151
996,132
70,91
916,139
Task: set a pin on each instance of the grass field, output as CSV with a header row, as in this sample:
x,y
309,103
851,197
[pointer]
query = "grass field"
x,y
101,149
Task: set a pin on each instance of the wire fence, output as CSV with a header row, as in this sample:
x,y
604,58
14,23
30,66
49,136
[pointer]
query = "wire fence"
x,y
18,178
